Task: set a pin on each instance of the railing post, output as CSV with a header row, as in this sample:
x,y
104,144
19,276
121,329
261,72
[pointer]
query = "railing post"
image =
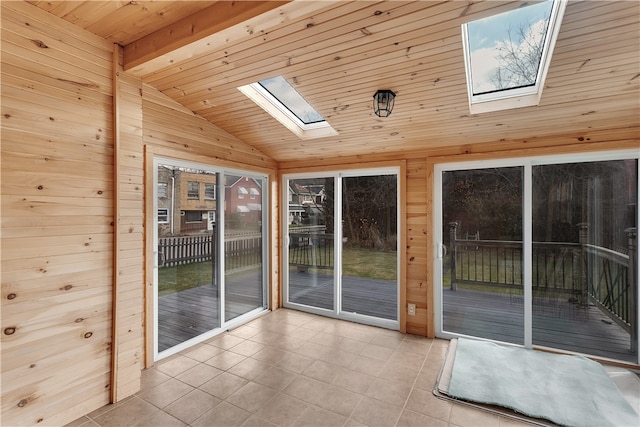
x,y
632,277
453,226
583,239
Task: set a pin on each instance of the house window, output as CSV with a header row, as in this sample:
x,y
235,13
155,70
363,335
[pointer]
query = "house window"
x,y
507,55
209,191
193,190
162,189
242,192
278,98
163,216
193,216
253,193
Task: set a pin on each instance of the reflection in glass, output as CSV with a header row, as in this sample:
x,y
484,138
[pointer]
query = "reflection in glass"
x,y
311,234
243,245
188,296
584,289
370,246
482,271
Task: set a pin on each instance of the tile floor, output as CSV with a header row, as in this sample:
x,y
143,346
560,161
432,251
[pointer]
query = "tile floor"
x,y
289,368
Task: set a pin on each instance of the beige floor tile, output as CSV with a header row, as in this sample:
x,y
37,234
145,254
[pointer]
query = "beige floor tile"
x,y
294,362
129,414
224,385
247,348
282,410
222,415
265,337
251,396
352,346
318,417
377,352
276,378
323,371
202,352
374,412
426,403
303,333
328,340
390,391
466,416
199,374
249,368
367,365
82,421
415,346
353,381
391,341
287,343
245,331
165,393
307,389
414,419
176,365
312,350
225,341
270,355
340,401
426,379
192,406
161,418
225,360
399,372
338,357
256,421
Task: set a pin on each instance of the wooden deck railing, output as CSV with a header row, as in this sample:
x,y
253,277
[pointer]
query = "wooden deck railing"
x,y
311,250
581,272
240,251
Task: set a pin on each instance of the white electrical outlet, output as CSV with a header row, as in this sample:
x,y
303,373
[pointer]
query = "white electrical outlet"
x,y
412,309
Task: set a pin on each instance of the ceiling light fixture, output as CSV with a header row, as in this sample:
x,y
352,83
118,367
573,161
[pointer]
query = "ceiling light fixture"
x,y
383,102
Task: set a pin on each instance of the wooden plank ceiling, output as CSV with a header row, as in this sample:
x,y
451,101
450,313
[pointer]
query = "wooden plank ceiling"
x,y
338,53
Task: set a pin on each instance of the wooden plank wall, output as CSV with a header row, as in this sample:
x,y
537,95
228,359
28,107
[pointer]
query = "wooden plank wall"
x,y
57,214
128,300
170,130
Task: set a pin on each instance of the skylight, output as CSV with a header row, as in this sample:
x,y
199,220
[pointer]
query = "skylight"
x,y
278,98
507,55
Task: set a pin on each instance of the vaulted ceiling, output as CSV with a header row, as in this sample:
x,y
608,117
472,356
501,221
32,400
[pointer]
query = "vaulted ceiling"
x,y
338,53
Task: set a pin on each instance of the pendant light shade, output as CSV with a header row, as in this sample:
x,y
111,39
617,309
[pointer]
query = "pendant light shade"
x,y
383,102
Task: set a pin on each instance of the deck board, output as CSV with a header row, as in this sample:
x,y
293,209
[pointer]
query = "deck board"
x,y
556,324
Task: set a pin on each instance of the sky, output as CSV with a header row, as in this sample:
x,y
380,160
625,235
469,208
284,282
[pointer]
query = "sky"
x,y
485,36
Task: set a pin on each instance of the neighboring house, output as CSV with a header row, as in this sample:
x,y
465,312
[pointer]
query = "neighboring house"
x,y
186,201
243,201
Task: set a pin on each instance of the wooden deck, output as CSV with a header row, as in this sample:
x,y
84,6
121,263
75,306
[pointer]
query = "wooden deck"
x,y
556,324
187,314
560,325
371,297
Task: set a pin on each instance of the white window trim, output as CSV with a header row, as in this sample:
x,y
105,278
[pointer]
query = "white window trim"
x,y
165,215
271,105
526,163
519,97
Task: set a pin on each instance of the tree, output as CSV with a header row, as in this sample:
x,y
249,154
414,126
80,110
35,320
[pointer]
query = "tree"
x,y
519,56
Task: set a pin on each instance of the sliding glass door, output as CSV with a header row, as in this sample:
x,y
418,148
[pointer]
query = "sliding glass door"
x,y
540,252
341,256
208,234
482,282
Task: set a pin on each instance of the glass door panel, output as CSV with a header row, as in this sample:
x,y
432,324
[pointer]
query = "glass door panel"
x,y
370,246
187,294
482,272
243,245
584,279
311,242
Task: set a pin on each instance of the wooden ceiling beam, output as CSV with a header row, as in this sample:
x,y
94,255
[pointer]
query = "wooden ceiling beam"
x,y
217,17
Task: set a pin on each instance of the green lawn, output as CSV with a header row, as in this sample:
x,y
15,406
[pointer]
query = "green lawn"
x,y
356,262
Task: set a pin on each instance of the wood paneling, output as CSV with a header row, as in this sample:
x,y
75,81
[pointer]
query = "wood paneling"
x,y
57,218
67,195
